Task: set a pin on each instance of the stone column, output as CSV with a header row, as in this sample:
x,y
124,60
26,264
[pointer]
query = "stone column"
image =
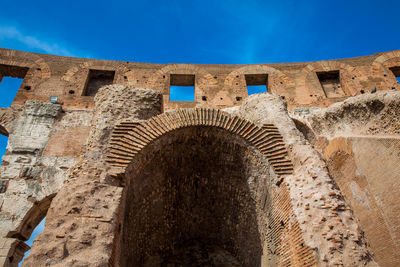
x,y
27,178
82,218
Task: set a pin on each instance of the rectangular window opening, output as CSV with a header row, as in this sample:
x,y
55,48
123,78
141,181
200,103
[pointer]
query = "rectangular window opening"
x,y
11,78
181,87
396,72
256,83
97,79
330,83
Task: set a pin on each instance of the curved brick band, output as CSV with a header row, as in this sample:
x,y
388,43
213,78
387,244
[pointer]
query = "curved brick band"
x,y
129,138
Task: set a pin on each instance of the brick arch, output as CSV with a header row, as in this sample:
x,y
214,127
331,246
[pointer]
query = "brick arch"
x,y
39,67
277,80
387,57
76,72
285,235
350,77
129,138
205,78
381,69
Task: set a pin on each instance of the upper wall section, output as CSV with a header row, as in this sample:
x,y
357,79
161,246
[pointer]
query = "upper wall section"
x,y
75,81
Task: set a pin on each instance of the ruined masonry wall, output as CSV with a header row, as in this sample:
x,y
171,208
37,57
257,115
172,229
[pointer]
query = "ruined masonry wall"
x,y
32,173
359,139
56,160
328,225
82,220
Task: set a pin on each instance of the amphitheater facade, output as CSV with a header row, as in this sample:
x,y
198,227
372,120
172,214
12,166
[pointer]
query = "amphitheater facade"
x,y
307,174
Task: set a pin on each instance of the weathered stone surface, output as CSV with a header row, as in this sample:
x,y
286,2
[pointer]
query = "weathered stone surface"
x,y
362,153
7,117
28,179
316,201
88,202
368,114
33,128
43,110
116,103
370,188
124,182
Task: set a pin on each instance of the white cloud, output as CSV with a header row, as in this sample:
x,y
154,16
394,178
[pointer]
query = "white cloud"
x,y
13,34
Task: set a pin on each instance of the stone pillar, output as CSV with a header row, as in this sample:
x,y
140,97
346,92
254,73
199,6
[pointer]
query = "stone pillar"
x,y
329,227
82,219
28,180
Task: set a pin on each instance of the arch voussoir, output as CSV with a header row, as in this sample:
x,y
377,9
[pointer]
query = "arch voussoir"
x,y
129,138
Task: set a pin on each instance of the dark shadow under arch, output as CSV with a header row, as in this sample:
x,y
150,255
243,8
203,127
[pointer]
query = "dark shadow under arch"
x,y
152,158
195,195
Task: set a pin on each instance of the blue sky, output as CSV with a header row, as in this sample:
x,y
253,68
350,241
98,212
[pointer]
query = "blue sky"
x,y
220,32
209,32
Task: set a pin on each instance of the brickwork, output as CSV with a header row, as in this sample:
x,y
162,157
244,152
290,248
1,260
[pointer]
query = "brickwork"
x,y
365,186
129,138
216,86
359,139
125,175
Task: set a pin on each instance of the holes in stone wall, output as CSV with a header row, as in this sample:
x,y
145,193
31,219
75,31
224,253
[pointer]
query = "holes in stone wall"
x,y
97,79
330,83
182,87
256,83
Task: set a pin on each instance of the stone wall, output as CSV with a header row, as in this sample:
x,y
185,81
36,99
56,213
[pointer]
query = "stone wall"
x,y
230,178
82,219
30,176
359,139
327,224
